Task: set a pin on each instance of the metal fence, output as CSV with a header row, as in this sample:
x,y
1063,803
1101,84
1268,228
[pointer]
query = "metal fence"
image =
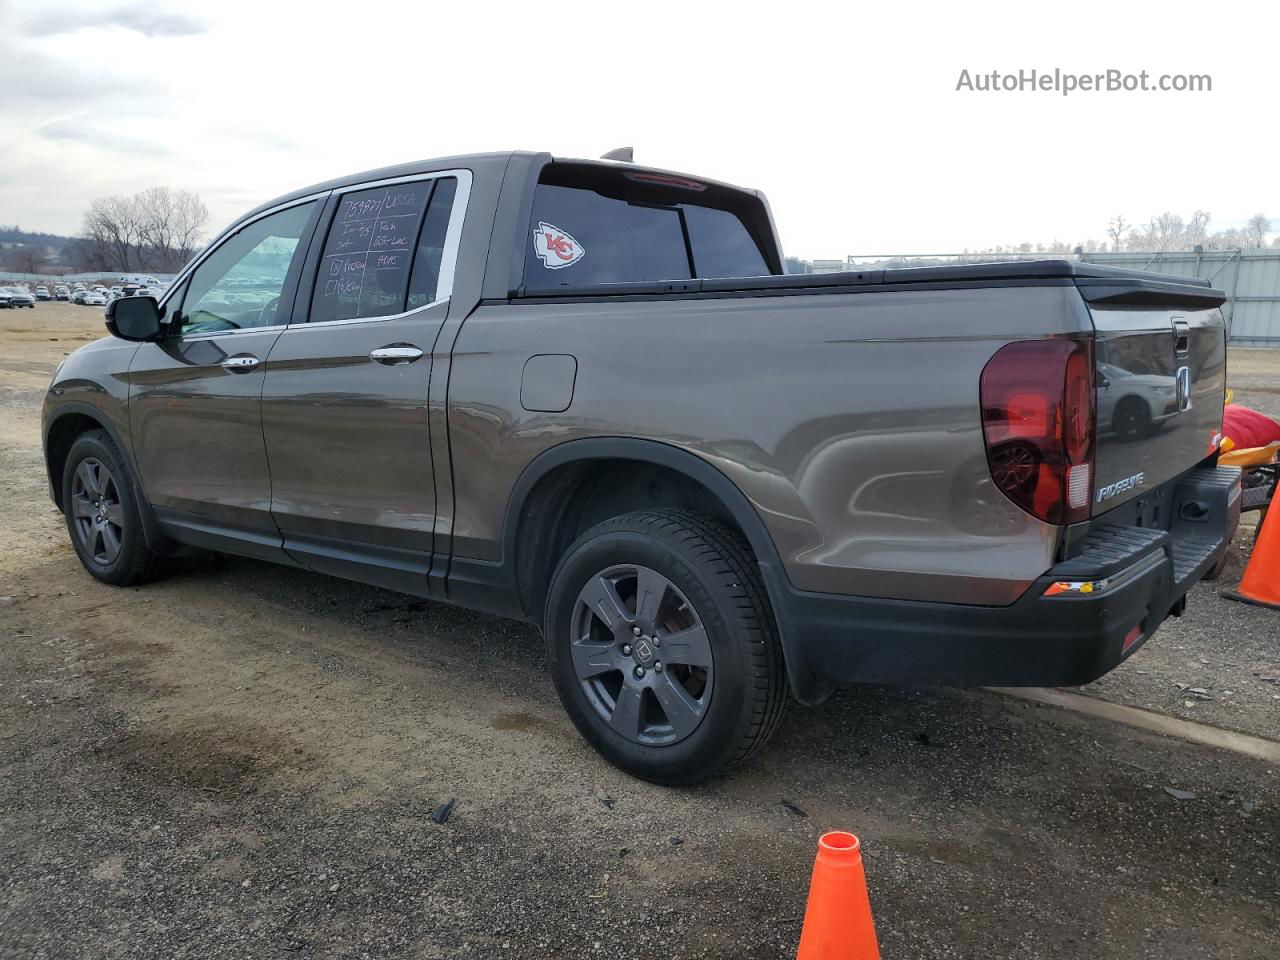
x,y
102,276
1250,279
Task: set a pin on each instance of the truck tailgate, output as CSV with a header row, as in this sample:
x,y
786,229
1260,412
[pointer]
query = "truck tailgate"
x,y
1160,356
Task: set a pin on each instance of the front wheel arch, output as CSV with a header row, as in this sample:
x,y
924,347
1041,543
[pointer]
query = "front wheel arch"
x,y
71,422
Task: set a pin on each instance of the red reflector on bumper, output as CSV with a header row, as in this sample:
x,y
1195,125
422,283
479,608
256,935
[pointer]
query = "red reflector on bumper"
x,y
1130,638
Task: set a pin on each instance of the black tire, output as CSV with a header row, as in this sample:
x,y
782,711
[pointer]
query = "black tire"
x,y
1132,418
713,583
113,517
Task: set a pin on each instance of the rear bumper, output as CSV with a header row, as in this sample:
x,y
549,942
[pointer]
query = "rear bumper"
x,y
1138,576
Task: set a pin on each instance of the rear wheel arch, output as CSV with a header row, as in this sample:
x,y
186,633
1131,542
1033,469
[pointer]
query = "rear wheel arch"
x,y
662,646
553,497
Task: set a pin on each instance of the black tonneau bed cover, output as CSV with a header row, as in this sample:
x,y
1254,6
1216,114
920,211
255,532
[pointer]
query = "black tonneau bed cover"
x,y
1097,283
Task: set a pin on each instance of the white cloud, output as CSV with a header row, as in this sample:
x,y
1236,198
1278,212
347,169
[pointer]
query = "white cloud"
x,y
143,18
846,116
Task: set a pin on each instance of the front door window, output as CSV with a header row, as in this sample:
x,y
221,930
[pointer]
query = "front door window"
x,y
239,285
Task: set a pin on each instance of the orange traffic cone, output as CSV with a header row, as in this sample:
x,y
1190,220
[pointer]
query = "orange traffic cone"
x,y
837,922
1261,581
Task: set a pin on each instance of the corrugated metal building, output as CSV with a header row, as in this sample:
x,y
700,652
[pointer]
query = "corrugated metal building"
x,y
1250,279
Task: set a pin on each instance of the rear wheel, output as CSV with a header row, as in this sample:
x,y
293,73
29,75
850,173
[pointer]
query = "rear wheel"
x,y
663,647
102,513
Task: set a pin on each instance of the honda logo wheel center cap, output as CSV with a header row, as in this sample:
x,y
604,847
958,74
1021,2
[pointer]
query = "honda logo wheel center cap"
x,y
642,651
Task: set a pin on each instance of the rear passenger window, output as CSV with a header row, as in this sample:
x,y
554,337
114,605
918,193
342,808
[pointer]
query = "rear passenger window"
x,y
383,243
626,234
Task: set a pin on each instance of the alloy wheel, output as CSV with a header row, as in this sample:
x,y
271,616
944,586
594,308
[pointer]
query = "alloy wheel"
x,y
642,655
96,511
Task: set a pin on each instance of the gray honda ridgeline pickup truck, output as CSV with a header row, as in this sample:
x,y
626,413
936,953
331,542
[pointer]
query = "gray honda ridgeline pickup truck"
x,y
583,394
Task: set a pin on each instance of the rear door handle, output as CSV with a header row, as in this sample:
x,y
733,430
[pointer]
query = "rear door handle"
x,y
395,353
241,363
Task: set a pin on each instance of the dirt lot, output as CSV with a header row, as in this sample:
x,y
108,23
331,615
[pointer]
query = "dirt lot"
x,y
242,760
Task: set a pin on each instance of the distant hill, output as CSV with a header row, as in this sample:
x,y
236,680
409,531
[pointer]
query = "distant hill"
x,y
15,235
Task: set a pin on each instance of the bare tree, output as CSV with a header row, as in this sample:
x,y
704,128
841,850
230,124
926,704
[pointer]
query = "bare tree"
x,y
113,226
171,223
27,259
157,229
1256,230
1197,231
1164,232
1116,231
1233,239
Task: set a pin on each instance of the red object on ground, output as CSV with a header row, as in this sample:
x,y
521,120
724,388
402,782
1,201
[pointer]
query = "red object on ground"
x,y
837,922
1248,428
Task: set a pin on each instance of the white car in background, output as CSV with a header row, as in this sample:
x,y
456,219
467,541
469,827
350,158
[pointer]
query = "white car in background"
x,y
95,299
1132,405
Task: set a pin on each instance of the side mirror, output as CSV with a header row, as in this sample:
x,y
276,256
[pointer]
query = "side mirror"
x,y
134,318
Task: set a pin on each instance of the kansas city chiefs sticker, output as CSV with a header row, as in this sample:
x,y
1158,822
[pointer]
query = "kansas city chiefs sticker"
x,y
555,247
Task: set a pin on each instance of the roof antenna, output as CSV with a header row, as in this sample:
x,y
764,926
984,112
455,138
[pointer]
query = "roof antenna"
x,y
622,154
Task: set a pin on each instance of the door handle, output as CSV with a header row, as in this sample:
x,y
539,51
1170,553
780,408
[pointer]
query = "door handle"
x,y
241,363
395,353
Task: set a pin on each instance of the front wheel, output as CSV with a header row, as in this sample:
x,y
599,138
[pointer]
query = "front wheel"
x,y
102,513
663,647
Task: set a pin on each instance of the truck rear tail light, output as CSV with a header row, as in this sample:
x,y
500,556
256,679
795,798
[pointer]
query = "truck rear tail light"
x,y
1038,422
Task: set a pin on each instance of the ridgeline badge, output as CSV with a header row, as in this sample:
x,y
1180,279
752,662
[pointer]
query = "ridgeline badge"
x,y
555,247
1120,486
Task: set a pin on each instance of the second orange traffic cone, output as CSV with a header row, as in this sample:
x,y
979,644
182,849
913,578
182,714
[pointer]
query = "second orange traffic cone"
x,y
1261,581
837,922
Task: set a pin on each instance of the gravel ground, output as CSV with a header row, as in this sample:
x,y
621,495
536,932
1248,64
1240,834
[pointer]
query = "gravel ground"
x,y
243,760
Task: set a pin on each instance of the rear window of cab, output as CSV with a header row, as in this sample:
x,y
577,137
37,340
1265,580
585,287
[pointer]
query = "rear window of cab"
x,y
596,224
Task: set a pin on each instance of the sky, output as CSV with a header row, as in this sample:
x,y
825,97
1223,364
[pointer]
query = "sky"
x,y
846,115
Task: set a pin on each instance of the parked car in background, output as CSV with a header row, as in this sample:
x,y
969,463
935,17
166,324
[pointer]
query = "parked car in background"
x,y
94,299
42,293
62,293
19,297
5,298
77,296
